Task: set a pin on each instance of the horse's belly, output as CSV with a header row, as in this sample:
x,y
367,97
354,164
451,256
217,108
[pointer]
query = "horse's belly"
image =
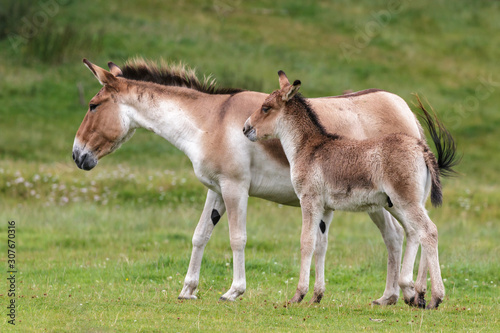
x,y
272,182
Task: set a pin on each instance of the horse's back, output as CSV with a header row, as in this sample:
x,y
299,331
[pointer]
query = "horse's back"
x,y
366,114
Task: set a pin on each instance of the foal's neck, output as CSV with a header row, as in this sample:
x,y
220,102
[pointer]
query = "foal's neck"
x,y
301,127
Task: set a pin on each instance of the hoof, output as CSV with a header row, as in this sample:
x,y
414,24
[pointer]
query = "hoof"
x,y
316,298
224,299
383,301
296,299
420,301
411,301
434,304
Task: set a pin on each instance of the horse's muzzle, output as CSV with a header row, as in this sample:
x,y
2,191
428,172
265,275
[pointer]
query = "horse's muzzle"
x,y
85,161
250,132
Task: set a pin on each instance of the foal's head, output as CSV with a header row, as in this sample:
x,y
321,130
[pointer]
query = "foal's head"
x,y
262,123
105,126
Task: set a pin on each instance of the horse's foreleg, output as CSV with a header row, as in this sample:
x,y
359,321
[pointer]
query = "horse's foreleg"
x,y
311,220
319,256
393,235
236,200
212,212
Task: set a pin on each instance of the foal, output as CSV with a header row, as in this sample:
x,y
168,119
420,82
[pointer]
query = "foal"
x,y
330,172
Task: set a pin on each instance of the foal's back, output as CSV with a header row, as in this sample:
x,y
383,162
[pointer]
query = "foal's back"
x,y
356,175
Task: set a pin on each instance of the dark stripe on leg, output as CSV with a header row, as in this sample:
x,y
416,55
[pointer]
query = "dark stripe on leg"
x,y
215,216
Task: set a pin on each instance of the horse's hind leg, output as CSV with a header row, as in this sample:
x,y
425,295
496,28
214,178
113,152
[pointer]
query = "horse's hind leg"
x,y
393,235
319,256
212,212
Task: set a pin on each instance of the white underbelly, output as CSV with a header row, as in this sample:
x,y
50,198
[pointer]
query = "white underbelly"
x,y
272,182
356,201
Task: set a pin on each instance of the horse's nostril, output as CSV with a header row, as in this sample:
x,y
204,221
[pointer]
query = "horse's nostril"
x,y
74,156
246,129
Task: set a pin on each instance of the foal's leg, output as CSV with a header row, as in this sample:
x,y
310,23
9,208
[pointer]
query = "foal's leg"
x,y
393,235
213,210
429,239
412,242
235,196
311,218
421,282
418,226
319,256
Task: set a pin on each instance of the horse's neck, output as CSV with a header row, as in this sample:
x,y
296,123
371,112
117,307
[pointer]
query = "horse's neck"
x,y
173,119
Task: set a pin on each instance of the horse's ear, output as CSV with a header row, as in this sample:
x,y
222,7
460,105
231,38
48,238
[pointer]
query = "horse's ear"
x,y
290,91
105,78
283,79
114,69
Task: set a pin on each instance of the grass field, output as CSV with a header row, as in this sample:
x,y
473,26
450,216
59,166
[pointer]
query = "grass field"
x,y
108,250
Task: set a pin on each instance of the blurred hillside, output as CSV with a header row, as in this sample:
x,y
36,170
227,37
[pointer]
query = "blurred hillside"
x,y
446,51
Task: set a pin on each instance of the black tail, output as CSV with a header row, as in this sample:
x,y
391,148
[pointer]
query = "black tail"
x,y
446,149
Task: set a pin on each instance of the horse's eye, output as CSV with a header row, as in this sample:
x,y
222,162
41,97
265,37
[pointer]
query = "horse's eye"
x,y
93,107
265,109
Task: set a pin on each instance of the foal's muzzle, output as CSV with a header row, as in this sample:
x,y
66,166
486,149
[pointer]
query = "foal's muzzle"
x,y
84,160
249,132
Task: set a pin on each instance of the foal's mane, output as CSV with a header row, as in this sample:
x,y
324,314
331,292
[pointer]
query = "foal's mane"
x,y
302,102
177,75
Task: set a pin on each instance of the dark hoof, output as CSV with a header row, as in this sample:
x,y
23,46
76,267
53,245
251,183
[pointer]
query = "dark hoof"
x,y
411,301
223,299
432,306
296,299
421,301
317,298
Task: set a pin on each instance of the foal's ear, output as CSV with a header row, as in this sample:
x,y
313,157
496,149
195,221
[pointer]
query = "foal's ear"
x,y
283,79
290,91
105,78
114,69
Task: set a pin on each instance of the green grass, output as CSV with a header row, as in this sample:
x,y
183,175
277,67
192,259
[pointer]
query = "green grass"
x,y
118,239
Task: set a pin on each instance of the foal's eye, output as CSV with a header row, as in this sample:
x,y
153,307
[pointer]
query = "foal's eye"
x,y
265,109
93,107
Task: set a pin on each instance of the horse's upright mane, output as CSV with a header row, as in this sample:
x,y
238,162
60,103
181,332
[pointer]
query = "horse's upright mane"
x,y
177,75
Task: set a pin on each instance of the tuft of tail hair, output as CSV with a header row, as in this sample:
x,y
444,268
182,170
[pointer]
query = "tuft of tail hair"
x,y
446,149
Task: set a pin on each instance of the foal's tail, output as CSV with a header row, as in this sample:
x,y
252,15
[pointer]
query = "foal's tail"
x,y
447,156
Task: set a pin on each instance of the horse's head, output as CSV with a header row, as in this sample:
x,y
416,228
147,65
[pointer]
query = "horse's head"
x,y
261,124
106,125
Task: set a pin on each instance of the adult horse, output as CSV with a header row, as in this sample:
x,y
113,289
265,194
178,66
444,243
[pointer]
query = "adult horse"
x,y
205,123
